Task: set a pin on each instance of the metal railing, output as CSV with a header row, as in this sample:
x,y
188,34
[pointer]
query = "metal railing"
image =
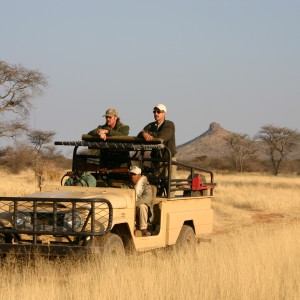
x,y
55,217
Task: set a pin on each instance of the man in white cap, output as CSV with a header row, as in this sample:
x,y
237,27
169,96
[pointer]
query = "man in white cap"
x,y
144,197
112,127
164,129
161,128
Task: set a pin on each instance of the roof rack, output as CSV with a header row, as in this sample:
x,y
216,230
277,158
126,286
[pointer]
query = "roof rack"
x,y
126,142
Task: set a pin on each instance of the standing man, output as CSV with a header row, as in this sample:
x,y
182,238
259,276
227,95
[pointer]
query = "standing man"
x,y
112,127
112,158
163,129
144,197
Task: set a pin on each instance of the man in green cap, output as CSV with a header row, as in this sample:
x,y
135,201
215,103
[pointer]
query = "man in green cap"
x,y
112,158
112,127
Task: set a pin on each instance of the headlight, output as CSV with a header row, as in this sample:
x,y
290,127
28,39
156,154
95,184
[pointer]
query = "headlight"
x,y
22,219
77,221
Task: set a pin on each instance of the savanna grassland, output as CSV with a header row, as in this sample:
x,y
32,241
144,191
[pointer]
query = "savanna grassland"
x,y
254,253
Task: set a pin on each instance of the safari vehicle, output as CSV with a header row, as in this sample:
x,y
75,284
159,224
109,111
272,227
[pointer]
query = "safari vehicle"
x,y
68,219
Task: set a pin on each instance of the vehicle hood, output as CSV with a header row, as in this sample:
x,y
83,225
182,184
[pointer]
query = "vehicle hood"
x,y
119,198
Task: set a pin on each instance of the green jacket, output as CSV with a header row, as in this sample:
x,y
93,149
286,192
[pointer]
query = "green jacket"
x,y
120,129
166,132
86,179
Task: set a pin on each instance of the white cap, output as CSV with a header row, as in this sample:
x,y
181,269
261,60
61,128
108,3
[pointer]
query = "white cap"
x,y
161,107
135,170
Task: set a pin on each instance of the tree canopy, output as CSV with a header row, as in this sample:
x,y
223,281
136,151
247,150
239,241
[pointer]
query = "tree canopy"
x,y
18,85
242,146
279,142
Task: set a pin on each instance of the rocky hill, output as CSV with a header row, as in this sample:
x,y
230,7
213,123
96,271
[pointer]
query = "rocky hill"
x,y
211,143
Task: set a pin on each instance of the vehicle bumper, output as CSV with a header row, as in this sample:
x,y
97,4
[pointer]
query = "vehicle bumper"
x,y
61,250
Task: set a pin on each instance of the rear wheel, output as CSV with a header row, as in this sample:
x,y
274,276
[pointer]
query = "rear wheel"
x,y
110,244
186,238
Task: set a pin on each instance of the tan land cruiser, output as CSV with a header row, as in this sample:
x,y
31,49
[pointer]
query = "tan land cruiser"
x,y
68,219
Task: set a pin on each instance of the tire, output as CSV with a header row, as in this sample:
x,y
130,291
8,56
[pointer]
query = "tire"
x,y
2,240
110,244
186,238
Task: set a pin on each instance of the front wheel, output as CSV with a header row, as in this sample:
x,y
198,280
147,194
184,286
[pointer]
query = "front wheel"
x,y
109,244
186,238
3,241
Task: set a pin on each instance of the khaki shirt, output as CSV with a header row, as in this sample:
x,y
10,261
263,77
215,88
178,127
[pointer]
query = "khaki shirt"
x,y
143,191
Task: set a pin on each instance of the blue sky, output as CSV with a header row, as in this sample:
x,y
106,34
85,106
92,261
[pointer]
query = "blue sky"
x,y
231,62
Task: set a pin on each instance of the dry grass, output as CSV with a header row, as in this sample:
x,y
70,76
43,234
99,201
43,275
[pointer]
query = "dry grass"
x,y
17,185
254,254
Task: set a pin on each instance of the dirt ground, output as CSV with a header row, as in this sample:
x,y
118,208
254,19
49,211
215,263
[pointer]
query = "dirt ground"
x,y
237,218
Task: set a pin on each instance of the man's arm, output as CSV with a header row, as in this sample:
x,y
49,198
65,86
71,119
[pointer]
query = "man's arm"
x,y
94,131
166,132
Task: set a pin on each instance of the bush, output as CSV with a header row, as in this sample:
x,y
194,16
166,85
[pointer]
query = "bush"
x,y
22,157
17,159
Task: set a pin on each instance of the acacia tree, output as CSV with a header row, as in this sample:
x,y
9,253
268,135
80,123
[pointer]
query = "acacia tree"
x,y
242,146
18,86
39,138
12,129
279,142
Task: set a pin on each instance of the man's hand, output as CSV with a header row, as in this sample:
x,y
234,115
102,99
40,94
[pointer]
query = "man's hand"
x,y
147,136
70,174
102,133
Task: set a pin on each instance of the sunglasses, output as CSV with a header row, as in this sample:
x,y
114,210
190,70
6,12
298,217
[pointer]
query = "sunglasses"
x,y
158,111
108,117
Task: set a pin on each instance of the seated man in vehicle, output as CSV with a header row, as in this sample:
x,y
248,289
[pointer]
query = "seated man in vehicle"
x,y
80,175
80,178
144,197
